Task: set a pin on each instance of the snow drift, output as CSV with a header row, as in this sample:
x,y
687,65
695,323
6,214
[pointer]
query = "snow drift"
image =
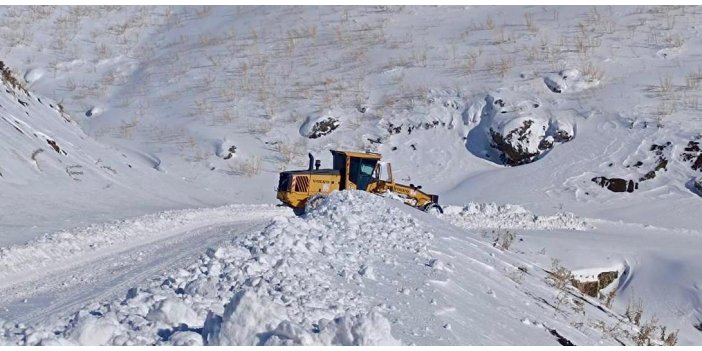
x,y
340,275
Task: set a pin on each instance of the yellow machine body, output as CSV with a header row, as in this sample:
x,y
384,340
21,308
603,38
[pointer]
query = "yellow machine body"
x,y
350,171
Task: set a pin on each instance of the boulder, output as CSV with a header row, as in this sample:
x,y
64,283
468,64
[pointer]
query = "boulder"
x,y
518,141
522,140
692,153
593,287
520,131
617,185
314,128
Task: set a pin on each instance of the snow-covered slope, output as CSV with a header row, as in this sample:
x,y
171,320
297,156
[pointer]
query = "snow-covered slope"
x,y
225,97
346,275
53,175
502,111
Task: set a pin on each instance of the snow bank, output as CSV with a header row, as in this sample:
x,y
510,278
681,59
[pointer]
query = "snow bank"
x,y
285,285
61,248
173,312
358,270
93,330
249,312
245,317
491,215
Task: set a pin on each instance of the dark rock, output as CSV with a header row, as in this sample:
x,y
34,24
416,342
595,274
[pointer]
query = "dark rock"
x,y
592,288
693,146
324,127
693,153
545,144
519,139
561,340
562,136
697,165
662,161
616,185
53,145
553,85
230,153
647,176
433,124
662,164
392,129
512,155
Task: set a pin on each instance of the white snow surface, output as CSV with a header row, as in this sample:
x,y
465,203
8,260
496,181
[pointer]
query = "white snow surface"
x,y
116,186
305,281
491,215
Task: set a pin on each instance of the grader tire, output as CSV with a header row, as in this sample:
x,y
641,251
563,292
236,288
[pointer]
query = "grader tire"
x,y
433,208
314,202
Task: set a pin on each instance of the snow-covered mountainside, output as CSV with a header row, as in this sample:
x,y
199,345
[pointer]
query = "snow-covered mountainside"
x,y
549,133
57,175
225,97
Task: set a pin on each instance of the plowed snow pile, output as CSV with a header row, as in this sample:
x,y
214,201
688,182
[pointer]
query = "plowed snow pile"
x,y
491,215
284,285
342,274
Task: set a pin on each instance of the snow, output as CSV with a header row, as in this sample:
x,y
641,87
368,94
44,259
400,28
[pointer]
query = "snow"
x,y
298,281
94,111
172,312
491,215
69,246
126,218
94,331
33,75
242,320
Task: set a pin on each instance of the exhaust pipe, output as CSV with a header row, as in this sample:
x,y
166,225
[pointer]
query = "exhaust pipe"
x,y
311,161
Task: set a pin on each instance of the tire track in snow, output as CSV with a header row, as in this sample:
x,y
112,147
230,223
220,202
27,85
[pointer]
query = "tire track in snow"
x,y
111,275
73,247
62,271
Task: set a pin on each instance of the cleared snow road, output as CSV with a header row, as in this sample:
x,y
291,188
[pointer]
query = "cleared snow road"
x,y
62,285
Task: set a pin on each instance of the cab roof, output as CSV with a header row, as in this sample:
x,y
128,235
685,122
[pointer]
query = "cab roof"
x,y
366,155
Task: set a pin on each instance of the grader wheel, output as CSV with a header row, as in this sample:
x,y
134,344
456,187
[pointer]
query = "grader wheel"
x,y
433,209
314,202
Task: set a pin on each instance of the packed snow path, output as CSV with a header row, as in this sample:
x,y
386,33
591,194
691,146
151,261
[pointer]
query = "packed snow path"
x,y
99,263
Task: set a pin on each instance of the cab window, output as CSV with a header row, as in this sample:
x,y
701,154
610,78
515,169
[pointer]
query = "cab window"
x,y
361,172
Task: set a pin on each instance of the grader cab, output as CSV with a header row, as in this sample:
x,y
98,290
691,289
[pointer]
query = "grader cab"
x,y
304,189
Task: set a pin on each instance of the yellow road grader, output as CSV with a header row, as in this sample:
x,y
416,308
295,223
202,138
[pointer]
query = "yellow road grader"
x,y
304,189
